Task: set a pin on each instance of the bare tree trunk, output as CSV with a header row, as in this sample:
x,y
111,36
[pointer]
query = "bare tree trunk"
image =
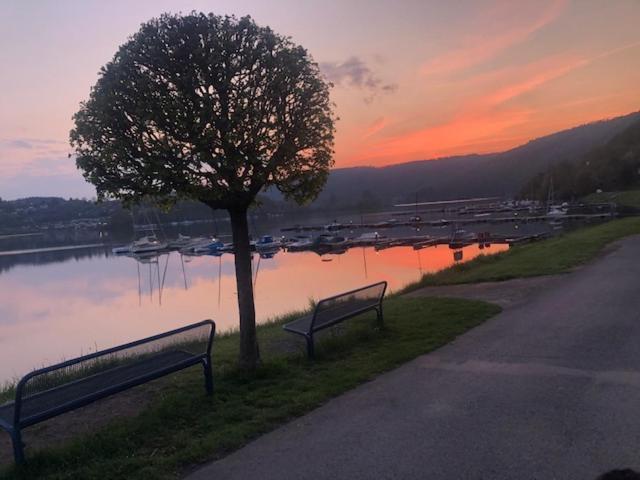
x,y
248,341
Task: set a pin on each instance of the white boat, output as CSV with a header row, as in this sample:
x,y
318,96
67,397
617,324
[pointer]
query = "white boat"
x,y
197,243
557,210
182,241
212,245
147,244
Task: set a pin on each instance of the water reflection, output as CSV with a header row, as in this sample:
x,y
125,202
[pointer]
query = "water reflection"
x,y
86,301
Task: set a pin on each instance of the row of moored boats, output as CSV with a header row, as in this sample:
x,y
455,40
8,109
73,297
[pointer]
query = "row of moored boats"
x,y
187,245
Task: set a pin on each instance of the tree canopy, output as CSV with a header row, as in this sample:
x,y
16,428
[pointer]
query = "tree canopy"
x,y
207,107
210,108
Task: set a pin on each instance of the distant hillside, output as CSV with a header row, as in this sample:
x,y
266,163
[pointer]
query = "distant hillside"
x,y
500,174
609,167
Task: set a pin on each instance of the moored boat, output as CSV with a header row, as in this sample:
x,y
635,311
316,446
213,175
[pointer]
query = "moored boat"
x,y
147,244
180,242
202,245
209,246
268,243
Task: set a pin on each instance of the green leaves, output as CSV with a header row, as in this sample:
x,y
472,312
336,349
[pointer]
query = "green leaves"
x,y
206,107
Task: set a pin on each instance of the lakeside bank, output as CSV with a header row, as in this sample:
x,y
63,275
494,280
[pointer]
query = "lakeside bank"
x,y
179,427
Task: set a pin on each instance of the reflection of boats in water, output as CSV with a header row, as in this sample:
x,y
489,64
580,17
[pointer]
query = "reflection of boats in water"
x,y
122,250
328,241
146,257
556,224
457,255
460,239
367,239
299,242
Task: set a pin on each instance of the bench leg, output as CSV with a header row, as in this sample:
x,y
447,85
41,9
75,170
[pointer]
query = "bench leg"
x,y
18,447
208,376
379,312
311,354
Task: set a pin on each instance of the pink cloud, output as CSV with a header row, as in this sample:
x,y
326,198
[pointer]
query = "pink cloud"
x,y
375,127
32,155
480,48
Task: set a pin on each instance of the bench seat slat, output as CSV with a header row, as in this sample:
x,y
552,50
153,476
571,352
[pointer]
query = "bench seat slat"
x,y
300,325
341,311
336,309
74,392
329,317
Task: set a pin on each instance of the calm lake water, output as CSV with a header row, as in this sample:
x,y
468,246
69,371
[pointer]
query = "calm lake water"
x,y
60,304
62,301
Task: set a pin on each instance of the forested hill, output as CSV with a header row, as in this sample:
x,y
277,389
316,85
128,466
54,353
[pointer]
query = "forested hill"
x,y
500,174
610,167
366,189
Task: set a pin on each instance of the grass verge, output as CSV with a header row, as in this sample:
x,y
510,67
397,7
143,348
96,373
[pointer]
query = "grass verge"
x,y
547,257
184,427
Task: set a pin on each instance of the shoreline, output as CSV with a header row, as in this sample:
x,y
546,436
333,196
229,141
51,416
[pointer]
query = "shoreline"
x,y
287,385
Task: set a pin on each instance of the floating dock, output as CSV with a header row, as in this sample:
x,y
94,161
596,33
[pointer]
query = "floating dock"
x,y
452,221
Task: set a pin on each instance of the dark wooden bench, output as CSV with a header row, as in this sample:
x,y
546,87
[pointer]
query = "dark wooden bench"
x,y
336,309
52,391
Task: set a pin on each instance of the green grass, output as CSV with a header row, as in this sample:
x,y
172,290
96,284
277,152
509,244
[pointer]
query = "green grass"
x,y
547,257
627,198
183,427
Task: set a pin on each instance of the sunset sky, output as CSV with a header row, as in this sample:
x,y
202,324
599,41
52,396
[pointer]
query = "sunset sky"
x,y
413,79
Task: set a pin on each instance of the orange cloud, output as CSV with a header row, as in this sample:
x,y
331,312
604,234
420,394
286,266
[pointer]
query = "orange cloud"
x,y
467,128
486,122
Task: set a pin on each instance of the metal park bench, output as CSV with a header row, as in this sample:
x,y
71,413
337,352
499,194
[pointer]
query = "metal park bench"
x,y
336,309
52,391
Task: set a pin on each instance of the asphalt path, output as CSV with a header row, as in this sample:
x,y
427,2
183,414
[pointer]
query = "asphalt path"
x,y
548,389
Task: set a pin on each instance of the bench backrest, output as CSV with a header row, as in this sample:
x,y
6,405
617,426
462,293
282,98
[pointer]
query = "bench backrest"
x,y
195,339
333,309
